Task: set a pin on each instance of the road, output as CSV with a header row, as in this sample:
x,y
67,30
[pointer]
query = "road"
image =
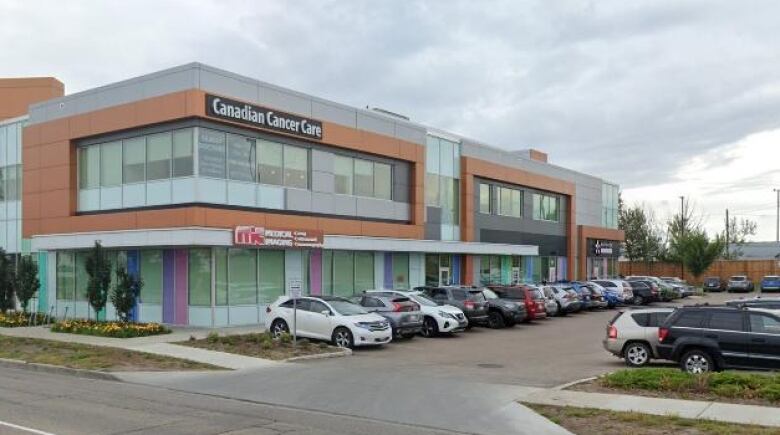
x,y
62,405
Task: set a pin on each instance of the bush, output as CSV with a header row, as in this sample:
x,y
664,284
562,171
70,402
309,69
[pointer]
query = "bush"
x,y
213,337
285,338
18,319
110,329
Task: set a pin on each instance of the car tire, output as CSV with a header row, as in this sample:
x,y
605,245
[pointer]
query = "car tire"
x,y
342,337
408,335
637,354
697,361
561,311
279,327
430,327
639,300
496,320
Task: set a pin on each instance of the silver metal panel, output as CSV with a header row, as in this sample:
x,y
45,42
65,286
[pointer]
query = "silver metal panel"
x,y
345,204
221,84
375,123
333,113
322,182
323,203
297,199
375,208
284,100
410,133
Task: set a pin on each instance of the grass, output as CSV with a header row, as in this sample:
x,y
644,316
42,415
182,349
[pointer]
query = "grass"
x,y
82,356
586,421
719,385
260,345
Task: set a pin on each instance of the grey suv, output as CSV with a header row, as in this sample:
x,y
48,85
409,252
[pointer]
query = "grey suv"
x,y
402,313
469,299
633,335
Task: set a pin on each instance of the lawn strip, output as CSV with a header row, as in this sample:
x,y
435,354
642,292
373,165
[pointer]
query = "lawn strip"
x,y
261,345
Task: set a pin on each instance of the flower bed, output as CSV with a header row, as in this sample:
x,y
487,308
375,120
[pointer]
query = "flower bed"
x,y
17,319
110,329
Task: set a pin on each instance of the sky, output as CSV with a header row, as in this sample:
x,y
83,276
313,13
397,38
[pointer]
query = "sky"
x,y
665,98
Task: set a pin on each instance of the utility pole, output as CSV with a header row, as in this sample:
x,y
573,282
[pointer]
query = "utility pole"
x,y
777,237
682,234
727,235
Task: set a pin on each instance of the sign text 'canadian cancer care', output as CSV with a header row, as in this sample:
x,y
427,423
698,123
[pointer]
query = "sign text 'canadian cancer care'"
x,y
257,116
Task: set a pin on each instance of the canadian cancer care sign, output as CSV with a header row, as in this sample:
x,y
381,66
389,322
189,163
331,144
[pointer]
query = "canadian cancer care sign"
x,y
265,237
257,116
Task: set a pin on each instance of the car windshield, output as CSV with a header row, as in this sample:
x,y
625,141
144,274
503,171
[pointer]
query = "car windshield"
x,y
346,308
477,295
422,300
772,278
489,294
737,278
513,293
712,279
536,294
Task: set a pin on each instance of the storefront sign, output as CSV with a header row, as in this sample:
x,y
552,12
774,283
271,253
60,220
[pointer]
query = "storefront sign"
x,y
266,237
258,116
602,248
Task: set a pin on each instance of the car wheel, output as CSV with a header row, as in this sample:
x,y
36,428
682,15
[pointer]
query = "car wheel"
x,y
637,354
408,335
639,300
561,311
342,337
430,327
697,362
496,320
279,327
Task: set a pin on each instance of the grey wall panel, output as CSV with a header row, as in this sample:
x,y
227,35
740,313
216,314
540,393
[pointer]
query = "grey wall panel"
x,y
323,203
220,84
375,208
401,182
410,133
375,123
297,199
432,231
345,204
285,101
548,244
402,211
175,81
433,215
333,113
322,182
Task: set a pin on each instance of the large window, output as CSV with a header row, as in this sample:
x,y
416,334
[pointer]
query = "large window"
x,y
110,164
442,183
610,195
296,167
211,153
546,208
269,162
271,275
89,167
134,158
510,202
345,273
241,158
199,271
383,181
242,277
484,198
343,169
400,271
152,276
182,153
362,177
82,278
158,156
221,277
66,275
490,269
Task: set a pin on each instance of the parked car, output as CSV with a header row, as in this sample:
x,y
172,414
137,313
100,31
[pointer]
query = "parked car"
x,y
566,299
610,294
643,292
713,284
470,300
756,302
625,296
583,292
667,291
404,315
437,319
739,283
530,297
683,287
503,312
329,318
633,335
550,304
770,283
597,299
708,338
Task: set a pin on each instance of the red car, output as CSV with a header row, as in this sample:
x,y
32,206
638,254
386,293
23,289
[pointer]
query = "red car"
x,y
531,297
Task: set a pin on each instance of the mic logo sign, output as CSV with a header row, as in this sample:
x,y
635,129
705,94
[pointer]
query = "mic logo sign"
x,y
248,235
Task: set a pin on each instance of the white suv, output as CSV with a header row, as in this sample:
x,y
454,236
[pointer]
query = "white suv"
x,y
329,318
436,318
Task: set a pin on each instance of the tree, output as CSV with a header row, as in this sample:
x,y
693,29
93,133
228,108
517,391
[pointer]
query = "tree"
x,y
99,271
698,252
7,298
26,281
738,234
643,239
688,221
125,293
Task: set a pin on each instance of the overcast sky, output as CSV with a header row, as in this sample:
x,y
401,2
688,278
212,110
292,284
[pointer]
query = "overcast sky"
x,y
666,98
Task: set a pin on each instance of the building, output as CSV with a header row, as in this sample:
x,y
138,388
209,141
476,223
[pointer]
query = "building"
x,y
223,192
756,251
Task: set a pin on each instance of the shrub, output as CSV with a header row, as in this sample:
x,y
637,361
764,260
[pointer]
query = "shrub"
x,y
285,338
213,337
109,329
26,281
125,293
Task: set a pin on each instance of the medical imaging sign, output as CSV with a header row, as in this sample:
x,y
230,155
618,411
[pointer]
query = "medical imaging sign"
x,y
261,237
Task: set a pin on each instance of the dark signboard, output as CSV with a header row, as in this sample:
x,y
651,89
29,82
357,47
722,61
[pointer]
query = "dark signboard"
x,y
603,248
263,117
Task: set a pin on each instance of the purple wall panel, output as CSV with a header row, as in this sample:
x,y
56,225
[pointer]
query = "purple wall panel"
x,y
315,271
388,270
168,286
181,280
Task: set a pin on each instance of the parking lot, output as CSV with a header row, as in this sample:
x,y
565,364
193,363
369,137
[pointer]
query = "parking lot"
x,y
543,353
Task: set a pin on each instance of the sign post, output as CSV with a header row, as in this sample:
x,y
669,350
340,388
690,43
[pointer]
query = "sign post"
x,y
294,289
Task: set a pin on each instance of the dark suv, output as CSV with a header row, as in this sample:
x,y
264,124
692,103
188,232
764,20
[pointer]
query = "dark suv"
x,y
643,292
503,312
706,338
469,299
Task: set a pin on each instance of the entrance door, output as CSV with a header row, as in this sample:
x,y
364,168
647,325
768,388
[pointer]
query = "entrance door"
x,y
444,276
515,275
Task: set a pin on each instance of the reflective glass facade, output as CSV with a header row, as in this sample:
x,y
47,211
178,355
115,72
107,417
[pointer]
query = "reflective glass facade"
x,y
442,183
11,187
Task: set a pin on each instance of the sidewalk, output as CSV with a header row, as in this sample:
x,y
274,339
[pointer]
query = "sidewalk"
x,y
725,412
157,344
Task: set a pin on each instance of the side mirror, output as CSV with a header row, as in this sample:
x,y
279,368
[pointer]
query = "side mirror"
x,y
325,312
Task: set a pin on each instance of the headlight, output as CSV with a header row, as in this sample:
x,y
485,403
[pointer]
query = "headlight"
x,y
446,315
364,325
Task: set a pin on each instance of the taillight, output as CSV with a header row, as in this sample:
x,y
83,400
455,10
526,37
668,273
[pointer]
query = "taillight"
x,y
612,332
530,306
469,304
662,334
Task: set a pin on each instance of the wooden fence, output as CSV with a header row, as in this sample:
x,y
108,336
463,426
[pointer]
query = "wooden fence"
x,y
754,269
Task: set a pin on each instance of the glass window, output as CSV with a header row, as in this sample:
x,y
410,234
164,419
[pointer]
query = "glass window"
x,y
3,174
211,153
66,276
220,277
182,153
504,201
158,154
484,198
134,158
199,277
431,269
537,206
764,323
242,276
241,158
269,163
82,279
111,164
271,275
12,183
431,189
446,153
400,271
383,181
730,321
364,178
152,276
364,271
89,167
343,273
690,319
344,174
517,203
296,167
432,156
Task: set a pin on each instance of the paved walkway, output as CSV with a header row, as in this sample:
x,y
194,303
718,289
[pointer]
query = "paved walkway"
x,y
157,344
694,409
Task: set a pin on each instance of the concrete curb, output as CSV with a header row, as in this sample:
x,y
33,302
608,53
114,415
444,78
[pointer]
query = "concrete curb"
x,y
338,354
48,368
573,383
